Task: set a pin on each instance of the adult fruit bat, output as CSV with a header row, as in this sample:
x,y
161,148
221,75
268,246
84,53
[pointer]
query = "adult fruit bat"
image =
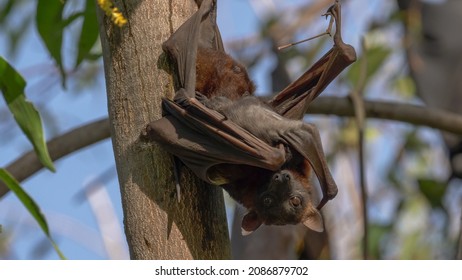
x,y
260,152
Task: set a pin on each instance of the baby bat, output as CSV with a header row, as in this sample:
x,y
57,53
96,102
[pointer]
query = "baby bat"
x,y
260,152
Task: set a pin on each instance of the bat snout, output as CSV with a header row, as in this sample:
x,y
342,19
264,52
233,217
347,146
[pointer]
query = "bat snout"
x,y
283,176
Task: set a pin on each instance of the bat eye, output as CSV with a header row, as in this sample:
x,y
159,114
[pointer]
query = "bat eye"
x,y
267,201
295,201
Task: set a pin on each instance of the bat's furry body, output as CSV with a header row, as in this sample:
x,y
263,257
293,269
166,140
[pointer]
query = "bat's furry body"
x,y
279,198
260,152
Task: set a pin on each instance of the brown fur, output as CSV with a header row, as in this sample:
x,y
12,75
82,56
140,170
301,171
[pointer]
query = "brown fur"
x,y
217,74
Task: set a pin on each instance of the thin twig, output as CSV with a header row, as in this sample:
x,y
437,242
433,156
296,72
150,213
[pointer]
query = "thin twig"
x,y
327,32
358,105
302,41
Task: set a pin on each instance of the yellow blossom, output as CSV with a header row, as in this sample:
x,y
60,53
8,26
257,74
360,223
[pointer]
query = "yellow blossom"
x,y
116,16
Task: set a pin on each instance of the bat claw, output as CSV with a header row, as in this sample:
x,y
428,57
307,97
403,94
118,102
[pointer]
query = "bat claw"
x,y
177,173
329,195
178,192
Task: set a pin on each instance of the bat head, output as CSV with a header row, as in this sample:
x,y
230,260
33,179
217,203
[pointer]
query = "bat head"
x,y
286,199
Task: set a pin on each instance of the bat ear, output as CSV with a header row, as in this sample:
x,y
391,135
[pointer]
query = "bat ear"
x,y
314,221
250,223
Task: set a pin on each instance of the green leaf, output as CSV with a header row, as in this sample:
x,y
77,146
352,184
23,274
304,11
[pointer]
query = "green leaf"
x,y
376,234
94,56
50,26
433,191
375,57
5,10
70,19
413,142
89,33
30,205
27,117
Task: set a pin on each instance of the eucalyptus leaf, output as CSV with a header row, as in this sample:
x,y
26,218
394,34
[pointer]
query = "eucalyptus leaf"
x,y
12,86
30,205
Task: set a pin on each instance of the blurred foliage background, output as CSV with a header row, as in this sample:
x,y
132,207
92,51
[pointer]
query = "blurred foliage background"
x,y
414,195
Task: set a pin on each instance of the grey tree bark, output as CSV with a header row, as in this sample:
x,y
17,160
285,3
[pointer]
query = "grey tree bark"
x,y
156,225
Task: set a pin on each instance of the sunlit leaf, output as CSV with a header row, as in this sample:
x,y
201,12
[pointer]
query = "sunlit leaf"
x,y
30,205
89,33
27,117
405,86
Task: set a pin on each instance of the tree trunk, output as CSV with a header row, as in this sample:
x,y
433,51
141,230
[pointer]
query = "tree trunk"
x,y
156,225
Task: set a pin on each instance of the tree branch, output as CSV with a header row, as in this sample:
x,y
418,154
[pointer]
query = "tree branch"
x,y
89,134
413,114
357,98
58,147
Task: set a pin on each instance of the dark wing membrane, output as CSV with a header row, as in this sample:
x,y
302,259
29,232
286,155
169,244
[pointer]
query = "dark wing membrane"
x,y
200,137
203,138
200,30
307,142
292,102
